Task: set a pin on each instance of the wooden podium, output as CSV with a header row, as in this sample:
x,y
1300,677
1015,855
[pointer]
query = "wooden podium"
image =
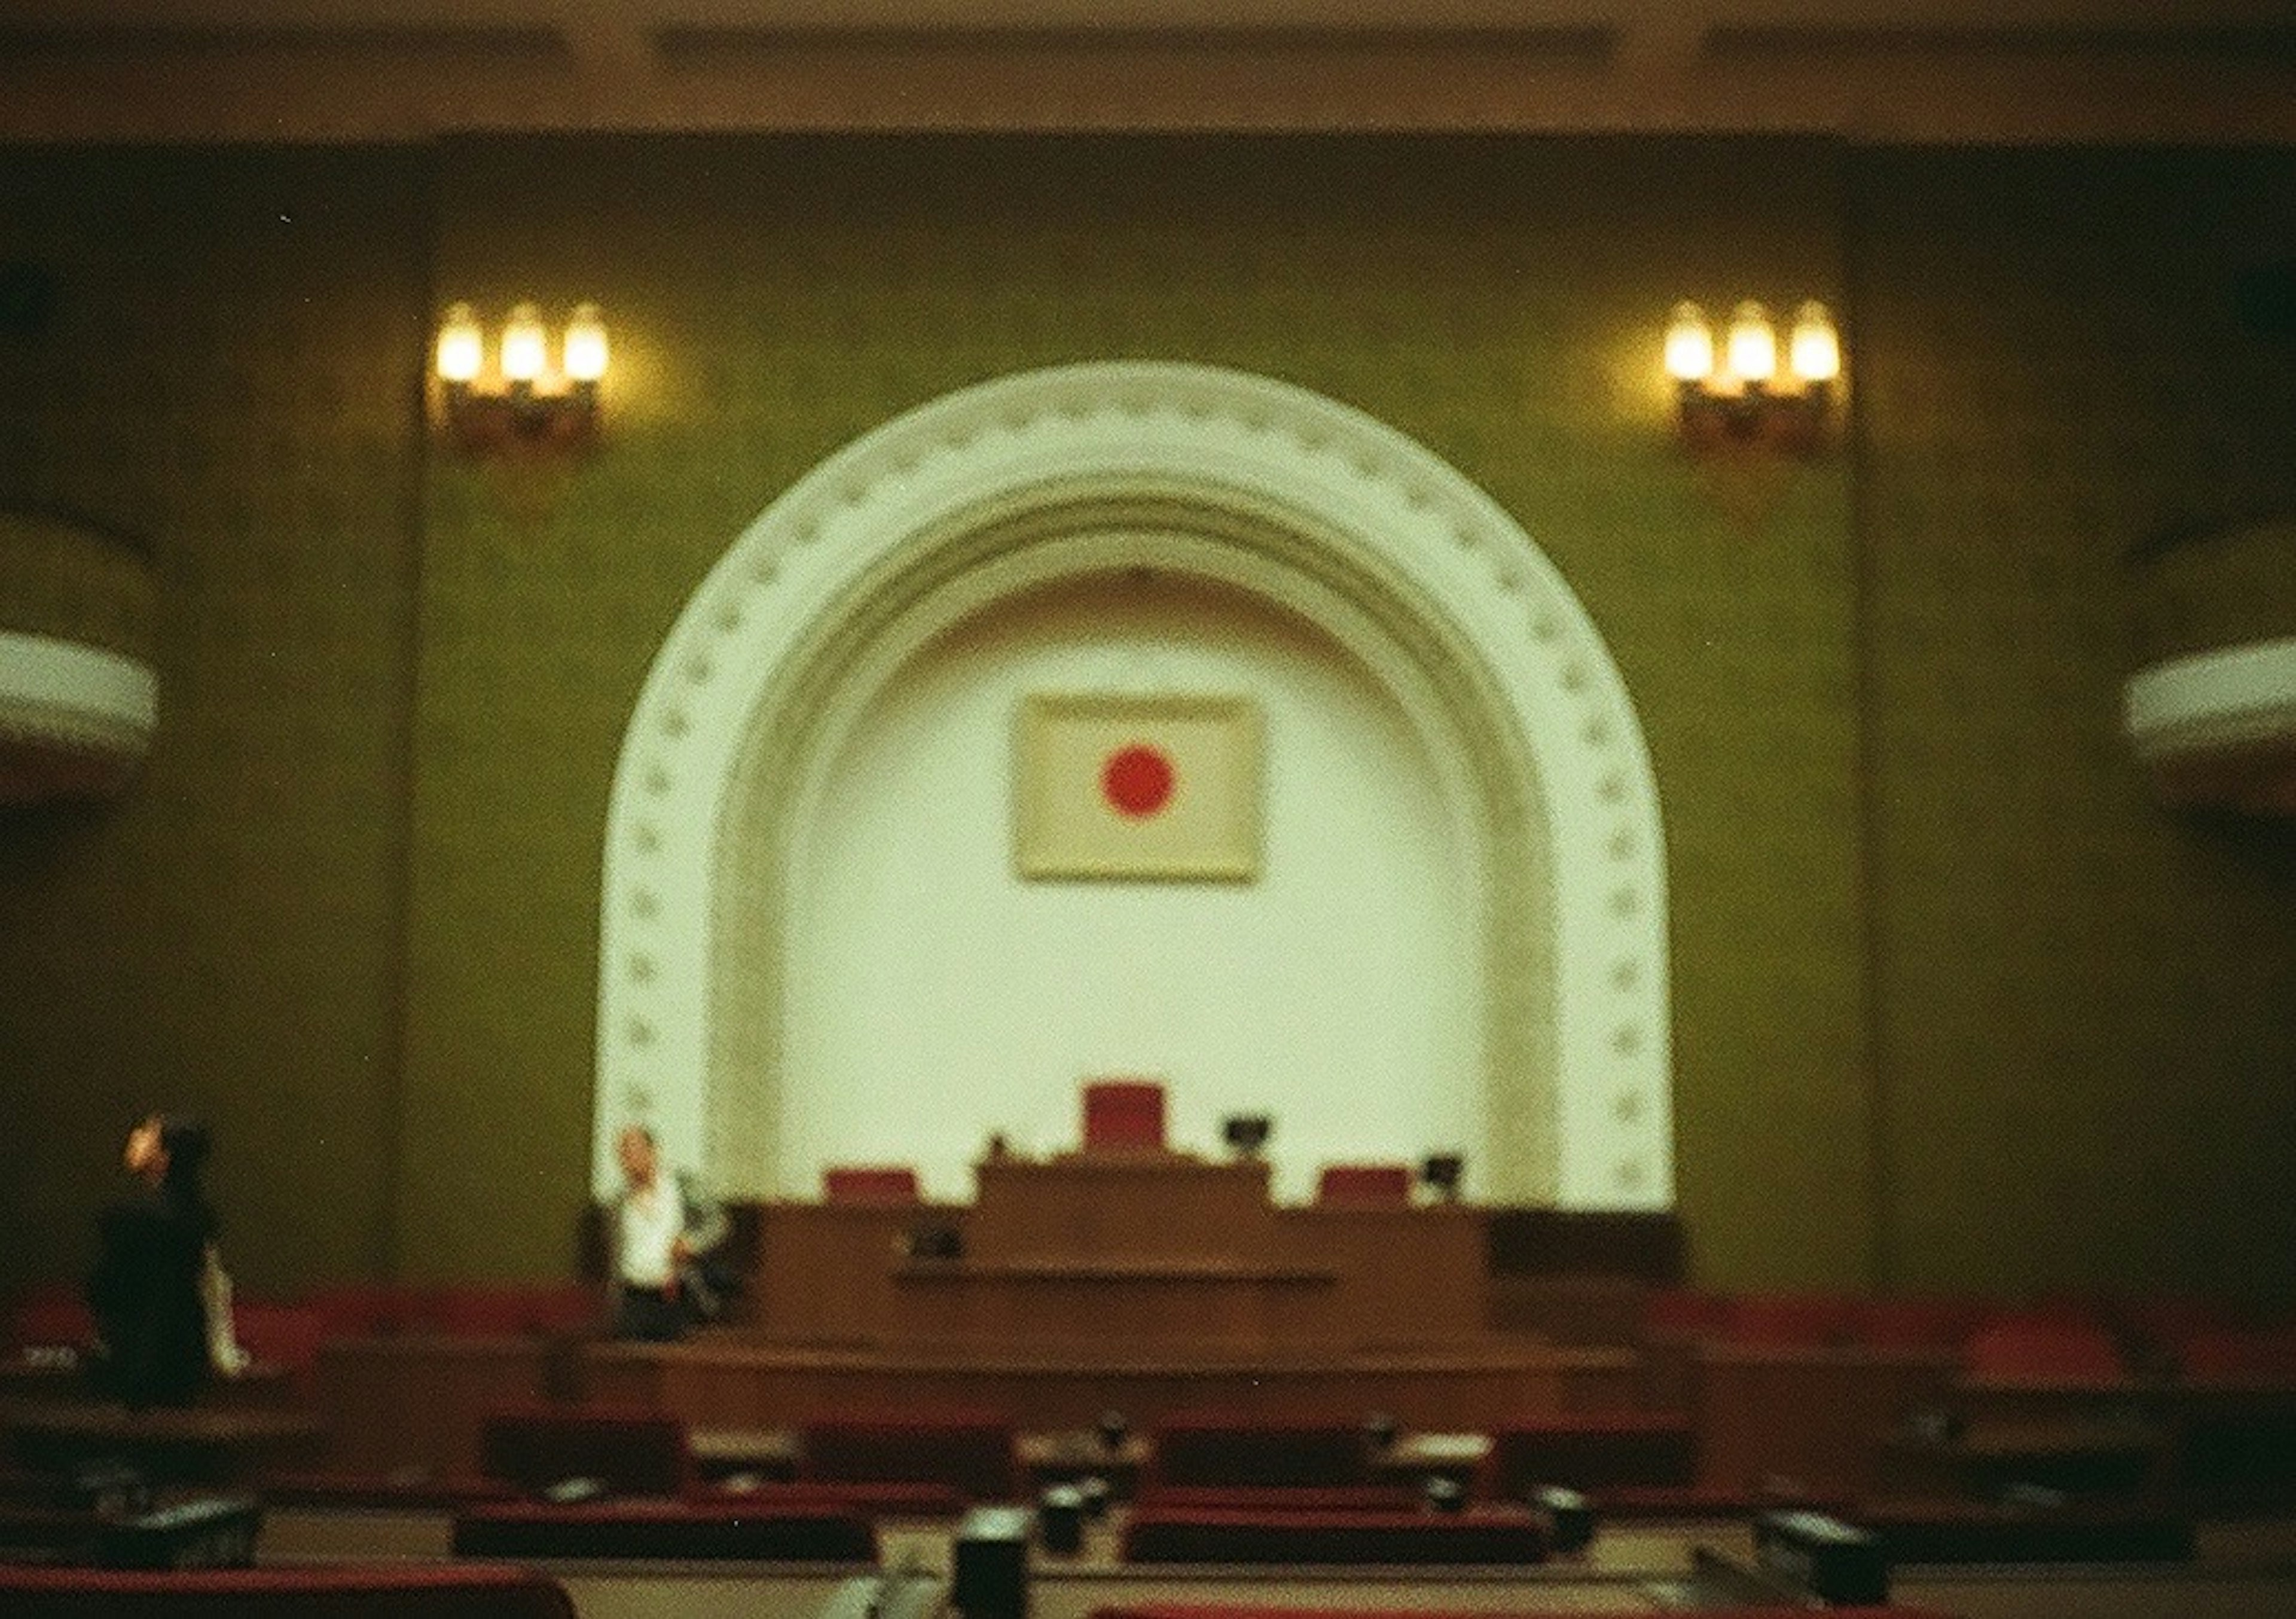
x,y
1133,1249
1122,1253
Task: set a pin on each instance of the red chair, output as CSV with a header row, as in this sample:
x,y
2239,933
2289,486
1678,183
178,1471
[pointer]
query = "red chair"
x,y
1590,1451
1217,1449
50,1318
2234,1359
2043,1351
870,1183
1382,1186
1124,1115
975,1453
398,1590
630,1452
283,1335
1789,1320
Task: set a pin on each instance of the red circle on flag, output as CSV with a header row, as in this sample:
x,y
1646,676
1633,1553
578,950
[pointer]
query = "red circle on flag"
x,y
1137,780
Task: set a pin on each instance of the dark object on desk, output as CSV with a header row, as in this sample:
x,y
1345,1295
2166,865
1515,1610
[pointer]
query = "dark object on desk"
x,y
935,1239
213,1532
1095,1492
1441,1173
1060,1519
1114,1428
991,1564
1834,1561
1443,1493
1246,1133
1569,1516
1380,1429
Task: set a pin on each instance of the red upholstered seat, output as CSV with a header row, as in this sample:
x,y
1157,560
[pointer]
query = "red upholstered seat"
x,y
1216,1449
1378,1185
49,1317
630,1452
2045,1350
1124,1115
975,1453
399,1590
875,1183
2239,1359
1590,1451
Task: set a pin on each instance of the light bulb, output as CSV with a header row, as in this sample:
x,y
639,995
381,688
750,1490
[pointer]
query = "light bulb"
x,y
525,347
1689,345
586,345
462,346
1814,350
1753,347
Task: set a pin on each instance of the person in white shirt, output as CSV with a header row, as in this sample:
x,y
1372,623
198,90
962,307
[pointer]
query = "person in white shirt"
x,y
656,1231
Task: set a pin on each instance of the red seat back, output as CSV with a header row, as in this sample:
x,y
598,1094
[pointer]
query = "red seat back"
x,y
1377,1185
1124,1115
975,1453
1216,1450
631,1452
2044,1350
1590,1451
874,1183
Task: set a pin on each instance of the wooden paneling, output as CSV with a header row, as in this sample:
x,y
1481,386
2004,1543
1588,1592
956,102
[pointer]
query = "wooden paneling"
x,y
1813,1419
414,1403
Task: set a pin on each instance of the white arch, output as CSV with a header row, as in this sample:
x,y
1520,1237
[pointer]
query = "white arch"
x,y
1240,478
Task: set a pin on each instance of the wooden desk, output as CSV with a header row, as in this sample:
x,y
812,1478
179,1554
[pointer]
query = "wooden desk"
x,y
1087,1208
1217,1306
414,1402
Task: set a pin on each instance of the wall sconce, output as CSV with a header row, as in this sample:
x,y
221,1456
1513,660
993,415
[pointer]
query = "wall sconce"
x,y
525,401
1743,401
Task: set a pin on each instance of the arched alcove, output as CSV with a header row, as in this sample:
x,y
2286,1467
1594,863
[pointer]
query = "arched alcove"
x,y
1238,483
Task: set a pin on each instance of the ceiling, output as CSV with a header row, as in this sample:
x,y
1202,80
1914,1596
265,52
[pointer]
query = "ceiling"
x,y
1920,71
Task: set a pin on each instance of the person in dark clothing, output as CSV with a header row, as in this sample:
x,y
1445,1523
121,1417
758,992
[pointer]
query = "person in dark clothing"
x,y
147,1293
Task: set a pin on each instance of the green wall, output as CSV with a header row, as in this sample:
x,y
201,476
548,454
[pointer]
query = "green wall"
x,y
1955,1006
228,374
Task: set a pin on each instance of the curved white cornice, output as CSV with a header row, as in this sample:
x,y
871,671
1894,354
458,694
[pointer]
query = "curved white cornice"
x,y
66,695
1302,499
2225,701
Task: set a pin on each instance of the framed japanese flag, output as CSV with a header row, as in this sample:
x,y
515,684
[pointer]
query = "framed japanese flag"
x,y
1113,786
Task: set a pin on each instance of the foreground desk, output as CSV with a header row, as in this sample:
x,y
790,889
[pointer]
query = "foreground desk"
x,y
728,1382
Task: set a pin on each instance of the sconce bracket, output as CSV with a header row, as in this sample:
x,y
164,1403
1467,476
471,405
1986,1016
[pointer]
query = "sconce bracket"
x,y
1760,419
480,421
